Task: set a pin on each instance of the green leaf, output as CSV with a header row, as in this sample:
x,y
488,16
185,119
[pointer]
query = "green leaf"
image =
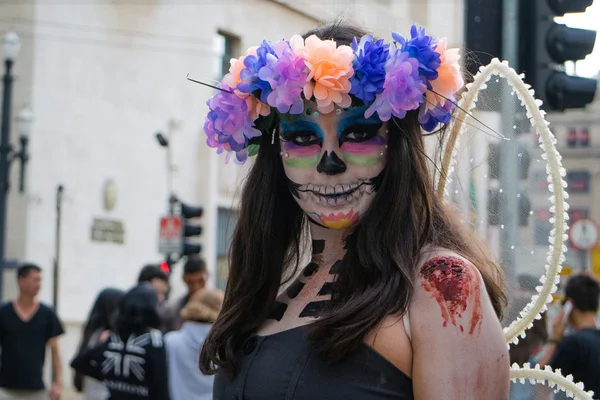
x,y
253,150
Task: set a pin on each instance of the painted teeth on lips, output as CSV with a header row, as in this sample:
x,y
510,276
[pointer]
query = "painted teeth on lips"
x,y
332,190
335,201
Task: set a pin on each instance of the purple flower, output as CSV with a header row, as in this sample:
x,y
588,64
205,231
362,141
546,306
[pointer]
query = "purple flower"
x,y
228,126
421,47
250,81
286,73
431,117
403,88
369,68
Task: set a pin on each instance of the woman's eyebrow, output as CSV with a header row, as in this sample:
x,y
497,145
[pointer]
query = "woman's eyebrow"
x,y
303,126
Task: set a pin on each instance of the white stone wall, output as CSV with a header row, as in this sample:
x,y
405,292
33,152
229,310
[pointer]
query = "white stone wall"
x,y
102,79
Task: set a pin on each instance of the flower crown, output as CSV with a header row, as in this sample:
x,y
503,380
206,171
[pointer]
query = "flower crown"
x,y
389,79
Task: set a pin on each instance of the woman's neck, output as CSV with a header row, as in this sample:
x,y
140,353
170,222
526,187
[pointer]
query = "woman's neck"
x,y
329,245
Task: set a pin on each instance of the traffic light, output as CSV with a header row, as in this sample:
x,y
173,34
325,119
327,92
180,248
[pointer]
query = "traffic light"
x,y
544,46
165,267
190,230
483,32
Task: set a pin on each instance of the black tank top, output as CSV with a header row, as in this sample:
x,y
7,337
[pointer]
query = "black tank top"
x,y
283,366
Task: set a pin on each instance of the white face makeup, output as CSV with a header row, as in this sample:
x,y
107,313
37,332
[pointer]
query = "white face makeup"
x,y
333,163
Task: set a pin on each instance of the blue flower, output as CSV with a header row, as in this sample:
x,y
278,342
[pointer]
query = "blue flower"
x,y
369,68
431,117
250,82
403,89
421,47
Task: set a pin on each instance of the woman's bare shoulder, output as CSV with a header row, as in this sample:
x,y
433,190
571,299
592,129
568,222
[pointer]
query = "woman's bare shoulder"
x,y
454,323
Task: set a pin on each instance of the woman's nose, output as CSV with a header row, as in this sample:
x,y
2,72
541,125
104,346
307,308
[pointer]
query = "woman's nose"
x,y
331,164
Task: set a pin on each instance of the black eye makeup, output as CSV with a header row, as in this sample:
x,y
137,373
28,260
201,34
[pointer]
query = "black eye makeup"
x,y
302,133
301,138
359,132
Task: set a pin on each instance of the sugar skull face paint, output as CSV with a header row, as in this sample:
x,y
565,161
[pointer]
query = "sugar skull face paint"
x,y
334,163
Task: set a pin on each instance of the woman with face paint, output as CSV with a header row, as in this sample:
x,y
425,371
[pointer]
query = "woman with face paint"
x,y
398,299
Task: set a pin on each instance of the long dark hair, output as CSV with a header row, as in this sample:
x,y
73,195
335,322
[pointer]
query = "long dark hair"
x,y
379,269
101,317
138,311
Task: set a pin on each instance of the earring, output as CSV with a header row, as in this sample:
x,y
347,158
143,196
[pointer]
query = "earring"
x,y
286,155
380,153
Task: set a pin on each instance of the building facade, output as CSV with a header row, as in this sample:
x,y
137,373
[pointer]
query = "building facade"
x,y
578,140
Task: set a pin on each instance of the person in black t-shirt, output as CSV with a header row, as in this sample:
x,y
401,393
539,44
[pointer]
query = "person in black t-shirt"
x,y
26,328
132,360
579,352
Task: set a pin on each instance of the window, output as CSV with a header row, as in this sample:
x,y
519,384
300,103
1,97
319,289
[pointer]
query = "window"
x,y
228,47
226,220
578,181
572,137
578,137
583,137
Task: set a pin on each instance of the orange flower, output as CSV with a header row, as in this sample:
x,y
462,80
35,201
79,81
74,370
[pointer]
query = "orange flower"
x,y
256,108
339,220
236,65
449,80
330,70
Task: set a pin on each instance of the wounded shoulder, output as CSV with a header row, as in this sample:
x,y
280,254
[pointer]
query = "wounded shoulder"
x,y
455,285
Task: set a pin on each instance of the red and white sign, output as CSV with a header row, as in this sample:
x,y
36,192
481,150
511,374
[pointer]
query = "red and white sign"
x,y
170,238
584,234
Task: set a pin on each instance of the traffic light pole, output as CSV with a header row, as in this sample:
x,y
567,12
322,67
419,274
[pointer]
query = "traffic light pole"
x,y
508,172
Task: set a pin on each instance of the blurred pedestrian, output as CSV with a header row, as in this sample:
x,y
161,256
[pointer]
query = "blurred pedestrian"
x,y
577,353
152,274
27,327
101,319
132,361
195,277
186,381
156,277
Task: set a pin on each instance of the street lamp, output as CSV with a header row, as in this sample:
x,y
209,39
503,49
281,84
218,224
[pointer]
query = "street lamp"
x,y
11,46
24,122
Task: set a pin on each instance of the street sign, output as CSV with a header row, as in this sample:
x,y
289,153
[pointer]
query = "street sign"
x,y
170,238
584,234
